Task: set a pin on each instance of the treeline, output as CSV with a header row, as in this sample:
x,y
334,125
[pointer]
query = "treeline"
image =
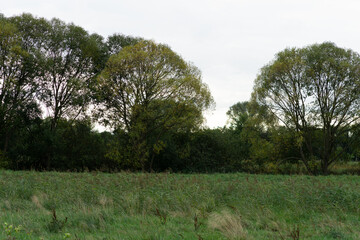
x,y
243,146
57,81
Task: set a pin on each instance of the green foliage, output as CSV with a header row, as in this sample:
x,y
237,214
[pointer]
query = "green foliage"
x,y
238,115
116,42
313,91
73,146
69,64
17,104
147,90
54,75
12,232
206,150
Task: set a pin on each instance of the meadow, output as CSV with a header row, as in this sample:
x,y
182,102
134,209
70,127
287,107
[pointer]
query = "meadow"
x,y
93,205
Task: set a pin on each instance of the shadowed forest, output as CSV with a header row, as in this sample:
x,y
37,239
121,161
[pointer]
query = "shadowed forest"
x,y
58,82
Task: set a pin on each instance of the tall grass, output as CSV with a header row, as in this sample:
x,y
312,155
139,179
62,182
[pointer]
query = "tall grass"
x,y
178,206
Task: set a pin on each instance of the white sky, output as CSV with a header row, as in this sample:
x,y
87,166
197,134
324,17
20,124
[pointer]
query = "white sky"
x,y
229,40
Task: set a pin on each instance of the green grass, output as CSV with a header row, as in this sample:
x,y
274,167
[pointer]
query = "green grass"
x,y
178,206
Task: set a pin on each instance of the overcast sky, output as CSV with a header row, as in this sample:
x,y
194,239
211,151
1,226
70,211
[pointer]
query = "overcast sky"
x,y
229,40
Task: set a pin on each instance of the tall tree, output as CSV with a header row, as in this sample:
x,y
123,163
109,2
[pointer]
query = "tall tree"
x,y
65,62
146,90
69,56
116,42
312,88
17,72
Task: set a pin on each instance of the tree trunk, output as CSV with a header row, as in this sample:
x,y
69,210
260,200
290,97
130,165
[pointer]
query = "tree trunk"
x,y
325,166
305,161
6,144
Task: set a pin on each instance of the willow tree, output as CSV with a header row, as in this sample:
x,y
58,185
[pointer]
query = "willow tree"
x,y
148,90
116,42
314,92
18,69
66,59
69,56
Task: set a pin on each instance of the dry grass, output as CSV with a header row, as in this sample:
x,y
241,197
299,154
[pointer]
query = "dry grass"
x,y
229,224
105,201
38,201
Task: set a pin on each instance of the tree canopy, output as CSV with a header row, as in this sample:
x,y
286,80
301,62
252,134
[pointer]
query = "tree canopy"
x,y
18,68
313,89
147,90
57,81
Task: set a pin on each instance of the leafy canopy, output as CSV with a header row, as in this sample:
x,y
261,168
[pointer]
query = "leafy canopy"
x,y
149,78
148,90
317,87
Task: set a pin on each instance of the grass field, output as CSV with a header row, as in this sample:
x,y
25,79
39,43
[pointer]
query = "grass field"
x,y
177,206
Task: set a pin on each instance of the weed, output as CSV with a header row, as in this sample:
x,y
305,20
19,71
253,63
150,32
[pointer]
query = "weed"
x,y
162,216
56,225
12,232
197,224
295,233
66,236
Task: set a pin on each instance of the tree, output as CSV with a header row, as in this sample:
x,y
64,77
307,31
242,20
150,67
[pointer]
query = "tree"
x,y
17,88
146,90
66,60
238,115
116,42
310,89
69,56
